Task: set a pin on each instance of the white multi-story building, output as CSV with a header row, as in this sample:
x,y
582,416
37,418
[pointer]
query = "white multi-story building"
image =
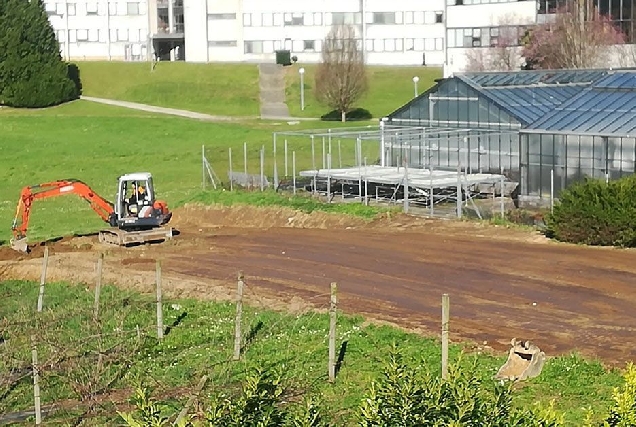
x,y
400,32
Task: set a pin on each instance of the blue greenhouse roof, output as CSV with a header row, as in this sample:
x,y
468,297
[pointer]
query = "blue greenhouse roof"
x,y
529,95
575,101
607,107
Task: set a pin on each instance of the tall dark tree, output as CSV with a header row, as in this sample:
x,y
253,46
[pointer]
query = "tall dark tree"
x,y
32,73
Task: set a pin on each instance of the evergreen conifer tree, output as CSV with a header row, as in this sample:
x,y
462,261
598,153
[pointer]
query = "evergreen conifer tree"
x,y
32,73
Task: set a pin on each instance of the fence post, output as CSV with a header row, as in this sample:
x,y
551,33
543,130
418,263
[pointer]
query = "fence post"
x,y
286,174
45,263
275,166
324,154
203,167
459,190
294,170
552,191
262,167
313,152
406,185
445,321
98,285
501,195
36,382
159,302
366,183
332,333
237,320
230,160
431,190
245,159
328,177
339,155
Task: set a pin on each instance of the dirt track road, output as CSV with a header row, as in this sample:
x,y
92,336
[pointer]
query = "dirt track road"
x,y
396,271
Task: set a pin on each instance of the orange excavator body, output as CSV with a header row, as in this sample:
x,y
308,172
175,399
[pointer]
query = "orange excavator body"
x,y
153,216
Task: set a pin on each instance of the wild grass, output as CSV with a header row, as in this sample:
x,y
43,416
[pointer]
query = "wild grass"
x,y
200,342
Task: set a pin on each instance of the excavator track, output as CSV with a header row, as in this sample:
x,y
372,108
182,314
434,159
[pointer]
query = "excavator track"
x,y
115,236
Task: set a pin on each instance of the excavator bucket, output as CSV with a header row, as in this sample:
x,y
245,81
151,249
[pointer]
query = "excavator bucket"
x,y
19,244
525,360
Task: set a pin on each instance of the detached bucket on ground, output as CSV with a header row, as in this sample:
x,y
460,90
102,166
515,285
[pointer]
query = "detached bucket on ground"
x,y
20,245
525,360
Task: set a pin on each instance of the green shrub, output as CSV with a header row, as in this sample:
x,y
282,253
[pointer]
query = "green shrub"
x,y
593,212
32,73
407,397
357,114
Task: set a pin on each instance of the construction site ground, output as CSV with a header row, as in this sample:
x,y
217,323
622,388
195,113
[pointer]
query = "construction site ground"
x,y
503,282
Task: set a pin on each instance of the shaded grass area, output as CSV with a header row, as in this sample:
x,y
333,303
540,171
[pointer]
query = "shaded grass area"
x,y
389,89
220,89
200,342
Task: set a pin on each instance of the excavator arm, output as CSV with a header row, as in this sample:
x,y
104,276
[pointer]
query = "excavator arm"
x,y
29,194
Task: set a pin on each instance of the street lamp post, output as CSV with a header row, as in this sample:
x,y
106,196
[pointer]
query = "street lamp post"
x,y
415,80
301,71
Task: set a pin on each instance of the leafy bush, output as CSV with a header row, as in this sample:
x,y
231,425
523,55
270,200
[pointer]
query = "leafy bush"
x,y
593,212
353,115
406,397
623,413
32,73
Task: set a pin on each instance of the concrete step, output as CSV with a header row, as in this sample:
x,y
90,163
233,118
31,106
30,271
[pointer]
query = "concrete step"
x,y
277,110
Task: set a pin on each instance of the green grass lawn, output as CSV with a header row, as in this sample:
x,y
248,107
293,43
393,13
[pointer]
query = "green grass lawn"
x,y
97,143
221,89
389,88
233,90
201,343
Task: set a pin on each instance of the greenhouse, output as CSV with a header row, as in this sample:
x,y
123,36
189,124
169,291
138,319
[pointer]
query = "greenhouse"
x,y
543,129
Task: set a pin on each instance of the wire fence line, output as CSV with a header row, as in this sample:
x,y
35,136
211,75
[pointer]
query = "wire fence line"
x,y
89,350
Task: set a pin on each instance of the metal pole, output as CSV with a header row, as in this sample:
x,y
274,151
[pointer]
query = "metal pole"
x,y
459,191
552,191
286,174
294,170
324,154
329,140
313,152
382,147
359,145
366,183
231,176
203,167
406,186
445,322
245,158
302,91
501,195
262,167
275,166
328,178
339,155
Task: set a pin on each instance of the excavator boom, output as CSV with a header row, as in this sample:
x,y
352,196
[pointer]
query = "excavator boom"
x,y
29,194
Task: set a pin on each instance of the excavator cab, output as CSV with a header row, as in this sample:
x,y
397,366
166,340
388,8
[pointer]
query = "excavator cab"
x,y
136,205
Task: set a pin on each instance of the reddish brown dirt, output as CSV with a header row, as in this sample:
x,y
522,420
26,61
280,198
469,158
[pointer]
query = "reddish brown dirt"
x,y
391,269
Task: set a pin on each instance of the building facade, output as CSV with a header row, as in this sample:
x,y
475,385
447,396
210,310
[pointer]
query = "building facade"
x,y
402,32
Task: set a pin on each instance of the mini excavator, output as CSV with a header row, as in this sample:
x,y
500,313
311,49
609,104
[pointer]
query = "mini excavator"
x,y
139,218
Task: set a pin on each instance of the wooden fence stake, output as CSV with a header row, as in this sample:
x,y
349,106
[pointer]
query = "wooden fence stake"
x,y
191,400
239,314
159,303
36,382
98,285
332,333
43,278
445,321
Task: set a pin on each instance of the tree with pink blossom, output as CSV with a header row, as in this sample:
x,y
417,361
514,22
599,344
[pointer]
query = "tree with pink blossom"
x,y
578,37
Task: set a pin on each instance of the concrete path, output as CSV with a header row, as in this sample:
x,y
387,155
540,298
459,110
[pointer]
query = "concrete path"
x,y
272,92
164,110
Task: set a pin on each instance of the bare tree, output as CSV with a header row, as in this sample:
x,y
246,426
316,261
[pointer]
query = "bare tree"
x,y
502,53
579,37
341,77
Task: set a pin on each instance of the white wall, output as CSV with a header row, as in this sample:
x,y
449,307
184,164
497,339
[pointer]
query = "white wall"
x,y
99,29
486,15
195,18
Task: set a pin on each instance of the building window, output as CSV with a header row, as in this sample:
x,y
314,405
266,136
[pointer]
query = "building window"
x,y
255,47
340,18
92,9
309,45
484,37
133,8
220,16
384,17
439,17
61,36
222,43
122,35
293,19
70,9
247,20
